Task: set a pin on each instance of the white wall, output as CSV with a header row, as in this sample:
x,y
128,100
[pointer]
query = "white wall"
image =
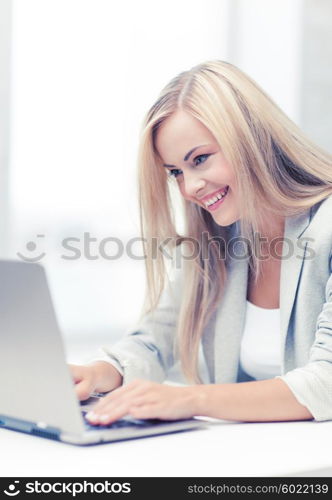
x,y
316,95
265,40
84,73
5,79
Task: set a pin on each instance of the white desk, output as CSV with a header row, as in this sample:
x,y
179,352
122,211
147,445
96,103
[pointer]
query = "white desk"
x,y
226,449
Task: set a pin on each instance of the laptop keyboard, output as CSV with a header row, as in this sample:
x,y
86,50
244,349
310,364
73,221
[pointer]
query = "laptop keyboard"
x,y
124,422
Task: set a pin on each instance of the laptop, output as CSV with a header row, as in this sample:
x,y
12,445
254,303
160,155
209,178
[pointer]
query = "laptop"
x,y
37,394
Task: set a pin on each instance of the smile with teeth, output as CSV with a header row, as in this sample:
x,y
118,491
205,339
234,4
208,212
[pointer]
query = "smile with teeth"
x,y
216,198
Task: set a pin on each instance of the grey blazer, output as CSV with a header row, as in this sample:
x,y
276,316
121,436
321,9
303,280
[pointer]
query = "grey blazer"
x,y
146,351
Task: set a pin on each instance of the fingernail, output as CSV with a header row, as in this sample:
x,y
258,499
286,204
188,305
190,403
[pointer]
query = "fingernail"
x,y
103,418
91,415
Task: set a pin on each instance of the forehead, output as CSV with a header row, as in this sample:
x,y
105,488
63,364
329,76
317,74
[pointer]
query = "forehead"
x,y
179,133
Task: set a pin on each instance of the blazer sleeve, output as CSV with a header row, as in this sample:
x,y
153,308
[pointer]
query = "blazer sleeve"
x,y
147,350
312,383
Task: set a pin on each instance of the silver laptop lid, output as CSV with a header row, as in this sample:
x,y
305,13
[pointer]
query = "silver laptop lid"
x,y
36,385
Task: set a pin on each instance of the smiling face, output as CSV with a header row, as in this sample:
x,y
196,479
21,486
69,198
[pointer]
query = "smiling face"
x,y
193,157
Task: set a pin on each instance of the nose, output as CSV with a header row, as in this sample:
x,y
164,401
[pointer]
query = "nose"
x,y
193,183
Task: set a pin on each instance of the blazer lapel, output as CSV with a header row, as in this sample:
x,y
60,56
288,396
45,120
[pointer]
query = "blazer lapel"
x,y
223,342
230,320
293,255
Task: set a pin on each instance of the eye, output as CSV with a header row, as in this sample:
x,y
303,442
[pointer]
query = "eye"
x,y
174,172
202,159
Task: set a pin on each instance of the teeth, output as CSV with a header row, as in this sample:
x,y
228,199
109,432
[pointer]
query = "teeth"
x,y
215,198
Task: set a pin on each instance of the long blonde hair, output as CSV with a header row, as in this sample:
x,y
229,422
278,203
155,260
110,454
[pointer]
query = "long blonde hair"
x,y
276,168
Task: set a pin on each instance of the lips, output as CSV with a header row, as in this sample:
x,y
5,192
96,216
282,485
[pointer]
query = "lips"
x,y
213,195
217,203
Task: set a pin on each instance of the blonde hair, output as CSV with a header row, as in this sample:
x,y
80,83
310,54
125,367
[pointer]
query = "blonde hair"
x,y
276,168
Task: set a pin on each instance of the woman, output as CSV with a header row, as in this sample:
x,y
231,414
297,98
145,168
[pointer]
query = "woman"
x,y
258,211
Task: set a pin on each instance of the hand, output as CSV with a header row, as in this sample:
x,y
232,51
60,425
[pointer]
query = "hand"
x,y
143,399
97,377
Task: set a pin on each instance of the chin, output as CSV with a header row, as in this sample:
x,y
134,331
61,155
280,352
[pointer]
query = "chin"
x,y
223,220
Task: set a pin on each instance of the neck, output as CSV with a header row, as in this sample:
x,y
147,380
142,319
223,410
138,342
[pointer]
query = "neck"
x,y
273,230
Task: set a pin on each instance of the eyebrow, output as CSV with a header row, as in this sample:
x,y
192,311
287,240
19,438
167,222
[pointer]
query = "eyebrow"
x,y
188,155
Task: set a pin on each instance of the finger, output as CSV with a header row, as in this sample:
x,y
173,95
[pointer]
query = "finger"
x,y
76,372
111,412
108,417
83,390
123,394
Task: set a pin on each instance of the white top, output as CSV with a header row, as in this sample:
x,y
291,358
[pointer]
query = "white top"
x,y
260,355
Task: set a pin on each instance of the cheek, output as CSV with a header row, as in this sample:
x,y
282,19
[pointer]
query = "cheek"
x,y
223,176
185,195
182,190
234,185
